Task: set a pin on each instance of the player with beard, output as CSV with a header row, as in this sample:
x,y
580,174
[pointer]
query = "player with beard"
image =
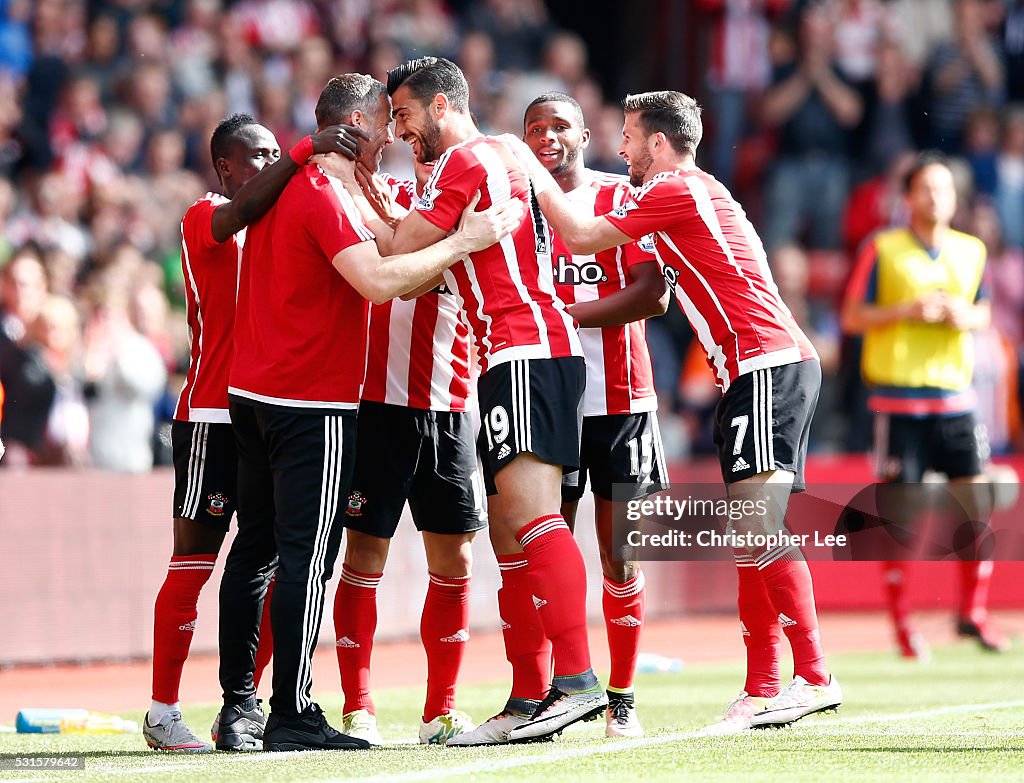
x,y
252,175
530,388
609,294
299,337
416,445
766,367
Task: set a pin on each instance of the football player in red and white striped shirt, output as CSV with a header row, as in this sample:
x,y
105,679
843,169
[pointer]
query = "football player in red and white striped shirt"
x,y
415,445
609,293
252,174
765,365
298,366
529,390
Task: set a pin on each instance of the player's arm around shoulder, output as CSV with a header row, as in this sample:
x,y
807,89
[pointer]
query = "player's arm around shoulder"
x,y
380,279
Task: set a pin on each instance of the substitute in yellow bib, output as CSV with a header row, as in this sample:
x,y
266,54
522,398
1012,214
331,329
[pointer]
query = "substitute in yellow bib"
x,y
916,295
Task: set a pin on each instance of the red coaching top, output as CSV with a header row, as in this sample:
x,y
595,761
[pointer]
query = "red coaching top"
x,y
717,265
300,331
210,269
418,351
620,379
506,292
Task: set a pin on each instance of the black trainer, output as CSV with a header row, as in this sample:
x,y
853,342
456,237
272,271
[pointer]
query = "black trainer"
x,y
240,726
308,731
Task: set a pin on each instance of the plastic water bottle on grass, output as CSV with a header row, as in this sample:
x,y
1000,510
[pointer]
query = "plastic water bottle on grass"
x,y
652,663
71,721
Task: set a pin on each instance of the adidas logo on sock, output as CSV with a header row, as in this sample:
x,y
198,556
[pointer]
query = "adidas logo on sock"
x,y
347,643
743,628
504,451
785,621
740,464
504,626
539,602
629,621
461,635
189,626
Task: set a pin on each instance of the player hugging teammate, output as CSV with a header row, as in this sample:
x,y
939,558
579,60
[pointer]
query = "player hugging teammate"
x,y
554,311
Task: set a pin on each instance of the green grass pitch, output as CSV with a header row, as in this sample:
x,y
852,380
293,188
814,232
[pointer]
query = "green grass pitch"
x,y
959,718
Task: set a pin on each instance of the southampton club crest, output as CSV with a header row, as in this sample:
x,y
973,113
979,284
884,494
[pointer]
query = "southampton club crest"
x,y
355,504
217,503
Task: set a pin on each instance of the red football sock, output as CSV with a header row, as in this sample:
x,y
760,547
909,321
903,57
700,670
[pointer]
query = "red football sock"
x,y
559,580
761,633
895,576
174,621
624,608
975,577
444,629
266,647
787,580
355,621
526,646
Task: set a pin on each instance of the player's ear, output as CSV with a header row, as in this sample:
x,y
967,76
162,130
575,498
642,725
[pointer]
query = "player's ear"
x,y
358,119
585,138
223,168
440,105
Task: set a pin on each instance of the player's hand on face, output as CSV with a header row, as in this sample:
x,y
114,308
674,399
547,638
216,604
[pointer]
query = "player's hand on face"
x,y
377,193
343,139
483,229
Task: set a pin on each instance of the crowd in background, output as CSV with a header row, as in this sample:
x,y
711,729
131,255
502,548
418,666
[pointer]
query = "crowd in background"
x,y
812,110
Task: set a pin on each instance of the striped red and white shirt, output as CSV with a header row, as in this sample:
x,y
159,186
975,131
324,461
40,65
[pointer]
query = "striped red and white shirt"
x,y
507,291
418,351
620,379
716,263
300,329
210,269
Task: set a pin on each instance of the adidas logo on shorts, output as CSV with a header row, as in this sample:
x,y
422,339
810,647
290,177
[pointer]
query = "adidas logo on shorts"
x,y
628,621
740,464
785,621
743,628
347,643
462,635
539,602
505,626
504,451
189,626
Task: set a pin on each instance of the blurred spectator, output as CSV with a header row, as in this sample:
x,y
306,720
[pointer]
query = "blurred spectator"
x,y
1009,193
887,128
739,68
981,149
124,379
963,74
51,218
421,27
67,427
1012,42
24,375
15,41
814,109
519,29
818,318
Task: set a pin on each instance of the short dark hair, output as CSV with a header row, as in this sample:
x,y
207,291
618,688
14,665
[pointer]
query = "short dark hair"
x,y
226,132
345,94
921,162
428,76
673,113
556,97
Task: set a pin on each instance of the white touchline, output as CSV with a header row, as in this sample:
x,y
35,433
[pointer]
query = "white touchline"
x,y
495,765
620,746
